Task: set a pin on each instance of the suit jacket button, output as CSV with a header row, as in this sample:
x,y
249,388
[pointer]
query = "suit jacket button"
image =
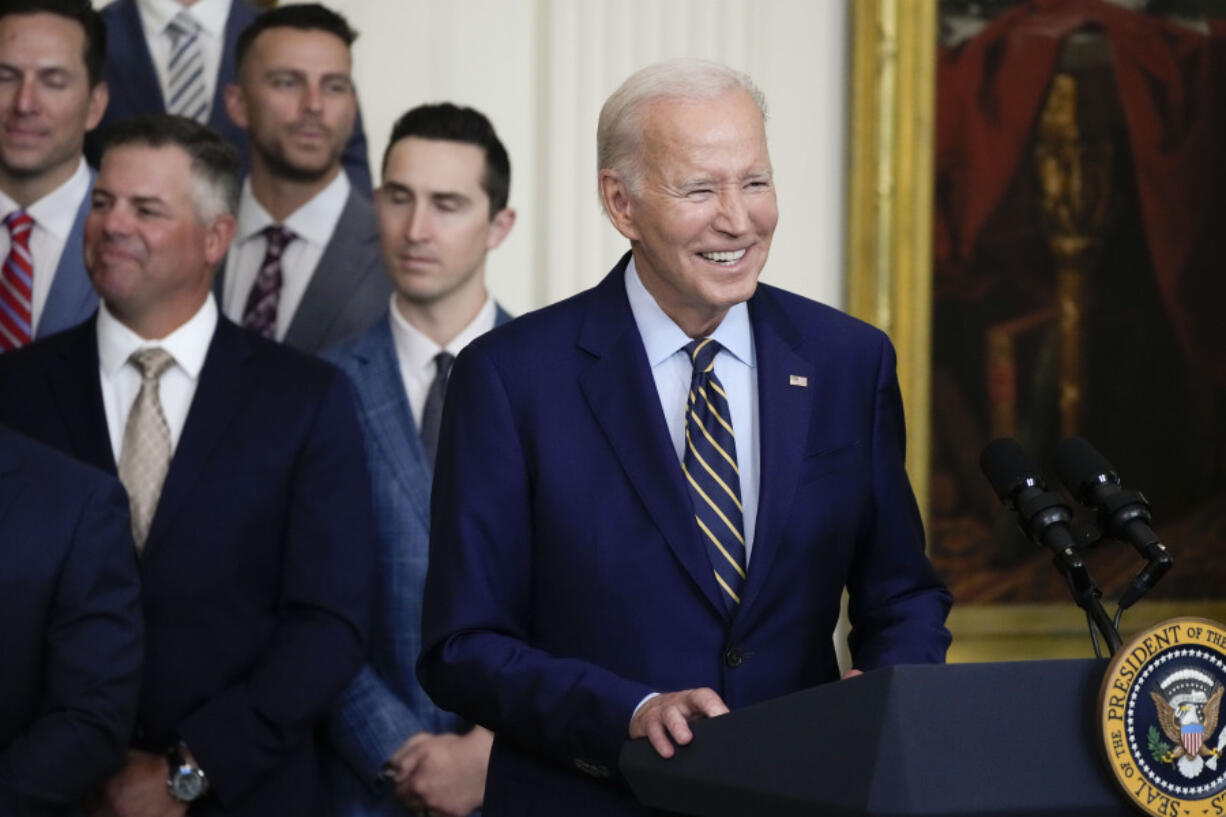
x,y
733,657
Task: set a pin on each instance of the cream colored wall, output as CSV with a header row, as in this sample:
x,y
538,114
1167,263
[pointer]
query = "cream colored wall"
x,y
540,70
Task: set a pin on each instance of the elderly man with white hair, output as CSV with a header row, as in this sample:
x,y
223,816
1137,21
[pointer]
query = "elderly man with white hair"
x,y
649,498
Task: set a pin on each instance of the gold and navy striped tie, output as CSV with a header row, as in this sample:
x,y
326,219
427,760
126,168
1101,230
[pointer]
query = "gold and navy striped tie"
x,y
711,471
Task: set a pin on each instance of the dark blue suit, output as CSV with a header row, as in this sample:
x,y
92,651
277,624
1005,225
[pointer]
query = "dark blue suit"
x,y
71,298
384,705
567,578
71,641
259,562
134,88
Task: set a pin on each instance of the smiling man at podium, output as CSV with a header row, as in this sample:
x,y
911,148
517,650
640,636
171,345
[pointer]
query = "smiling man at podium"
x,y
649,498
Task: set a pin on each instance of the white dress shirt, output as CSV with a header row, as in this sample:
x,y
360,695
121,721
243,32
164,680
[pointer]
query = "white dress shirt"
x,y
415,352
53,216
155,17
664,342
120,379
312,225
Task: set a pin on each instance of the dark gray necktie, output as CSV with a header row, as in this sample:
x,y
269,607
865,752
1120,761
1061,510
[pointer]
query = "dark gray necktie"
x,y
432,415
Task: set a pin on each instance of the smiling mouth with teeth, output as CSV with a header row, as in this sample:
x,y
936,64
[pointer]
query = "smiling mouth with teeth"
x,y
729,257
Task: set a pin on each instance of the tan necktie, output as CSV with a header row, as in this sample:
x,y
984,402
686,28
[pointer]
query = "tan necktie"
x,y
145,456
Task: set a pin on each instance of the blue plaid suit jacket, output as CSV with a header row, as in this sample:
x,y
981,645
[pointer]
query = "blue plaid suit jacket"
x,y
384,705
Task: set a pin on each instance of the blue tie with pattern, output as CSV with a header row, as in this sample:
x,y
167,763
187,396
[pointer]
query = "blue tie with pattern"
x,y
711,471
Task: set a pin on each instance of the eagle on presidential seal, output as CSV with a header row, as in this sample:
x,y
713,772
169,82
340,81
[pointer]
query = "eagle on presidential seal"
x,y
1188,708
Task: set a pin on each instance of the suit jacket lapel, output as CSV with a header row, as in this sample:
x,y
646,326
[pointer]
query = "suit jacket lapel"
x,y
222,386
129,54
71,294
11,485
623,397
385,408
501,316
783,426
335,277
78,393
236,21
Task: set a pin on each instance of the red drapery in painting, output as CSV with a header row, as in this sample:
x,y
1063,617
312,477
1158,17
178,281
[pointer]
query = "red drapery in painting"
x,y
1172,88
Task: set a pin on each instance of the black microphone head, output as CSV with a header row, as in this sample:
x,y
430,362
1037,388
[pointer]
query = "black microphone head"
x,y
1008,468
1081,468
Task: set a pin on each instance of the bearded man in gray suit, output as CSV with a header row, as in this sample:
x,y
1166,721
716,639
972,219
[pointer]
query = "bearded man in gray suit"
x,y
304,268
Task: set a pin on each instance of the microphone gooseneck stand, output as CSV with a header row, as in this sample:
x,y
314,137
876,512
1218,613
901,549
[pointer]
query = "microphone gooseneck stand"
x,y
1046,519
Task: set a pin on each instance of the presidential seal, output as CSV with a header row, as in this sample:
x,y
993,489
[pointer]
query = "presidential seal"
x,y
1159,710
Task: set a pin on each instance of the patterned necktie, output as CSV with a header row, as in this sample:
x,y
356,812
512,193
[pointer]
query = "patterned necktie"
x,y
17,283
432,414
145,456
185,71
261,311
712,473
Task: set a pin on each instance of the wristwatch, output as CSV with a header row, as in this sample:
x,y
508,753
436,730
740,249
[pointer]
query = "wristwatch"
x,y
187,781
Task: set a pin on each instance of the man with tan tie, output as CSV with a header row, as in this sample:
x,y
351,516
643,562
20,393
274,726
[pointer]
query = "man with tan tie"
x,y
51,93
246,477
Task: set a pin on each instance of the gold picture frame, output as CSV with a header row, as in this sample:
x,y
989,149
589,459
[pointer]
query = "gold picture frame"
x,y
889,284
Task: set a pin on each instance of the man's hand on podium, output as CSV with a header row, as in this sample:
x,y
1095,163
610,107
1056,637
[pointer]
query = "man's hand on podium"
x,y
852,673
668,715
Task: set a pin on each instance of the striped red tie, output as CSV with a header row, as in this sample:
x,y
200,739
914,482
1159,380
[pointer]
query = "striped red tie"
x,y
17,283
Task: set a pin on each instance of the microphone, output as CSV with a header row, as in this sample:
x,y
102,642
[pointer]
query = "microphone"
x,y
1042,514
1044,517
1122,515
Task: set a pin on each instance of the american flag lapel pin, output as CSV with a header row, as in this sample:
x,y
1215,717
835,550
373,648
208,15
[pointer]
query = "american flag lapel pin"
x,y
798,380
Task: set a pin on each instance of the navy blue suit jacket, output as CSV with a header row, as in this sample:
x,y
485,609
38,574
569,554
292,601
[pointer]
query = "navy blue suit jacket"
x,y
567,578
72,298
134,88
384,705
71,641
257,570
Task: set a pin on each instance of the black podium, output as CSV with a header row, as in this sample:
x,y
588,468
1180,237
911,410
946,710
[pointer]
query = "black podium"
x,y
1014,739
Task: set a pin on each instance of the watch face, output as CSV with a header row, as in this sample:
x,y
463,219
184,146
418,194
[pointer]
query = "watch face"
x,y
186,783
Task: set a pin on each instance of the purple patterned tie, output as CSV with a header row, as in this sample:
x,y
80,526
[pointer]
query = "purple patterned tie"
x,y
261,311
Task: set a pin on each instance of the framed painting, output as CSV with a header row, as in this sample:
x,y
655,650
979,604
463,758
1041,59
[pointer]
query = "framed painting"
x,y
1036,219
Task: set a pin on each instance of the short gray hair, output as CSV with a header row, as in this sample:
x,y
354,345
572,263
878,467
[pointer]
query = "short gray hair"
x,y
619,129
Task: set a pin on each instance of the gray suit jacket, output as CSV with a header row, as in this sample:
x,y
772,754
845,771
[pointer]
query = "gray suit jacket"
x,y
72,298
348,290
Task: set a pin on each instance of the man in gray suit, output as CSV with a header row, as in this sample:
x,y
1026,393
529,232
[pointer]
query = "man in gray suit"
x,y
51,93
442,207
304,268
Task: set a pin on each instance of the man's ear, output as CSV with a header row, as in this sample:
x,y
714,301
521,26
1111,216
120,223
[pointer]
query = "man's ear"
x,y
236,105
500,226
218,236
618,203
99,96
